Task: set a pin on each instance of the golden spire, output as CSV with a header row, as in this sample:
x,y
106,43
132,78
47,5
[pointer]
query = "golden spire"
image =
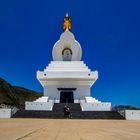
x,y
67,23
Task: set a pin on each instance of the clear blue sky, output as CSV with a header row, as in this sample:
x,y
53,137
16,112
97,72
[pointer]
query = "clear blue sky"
x,y
108,31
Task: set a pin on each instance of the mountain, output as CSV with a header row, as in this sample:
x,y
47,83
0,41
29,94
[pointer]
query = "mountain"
x,y
15,96
124,107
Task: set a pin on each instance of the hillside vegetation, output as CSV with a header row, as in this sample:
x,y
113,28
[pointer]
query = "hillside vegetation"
x,y
15,96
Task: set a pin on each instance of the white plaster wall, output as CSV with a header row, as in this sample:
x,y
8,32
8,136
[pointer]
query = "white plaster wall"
x,y
80,92
103,106
132,114
39,105
52,92
5,113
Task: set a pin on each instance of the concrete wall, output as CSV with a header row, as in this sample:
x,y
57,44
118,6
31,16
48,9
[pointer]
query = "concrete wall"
x,y
39,105
5,113
52,92
132,114
80,92
104,106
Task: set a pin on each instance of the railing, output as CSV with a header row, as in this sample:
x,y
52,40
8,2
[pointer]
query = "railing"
x,y
39,105
95,106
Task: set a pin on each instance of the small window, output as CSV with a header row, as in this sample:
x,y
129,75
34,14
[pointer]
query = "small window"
x,y
67,54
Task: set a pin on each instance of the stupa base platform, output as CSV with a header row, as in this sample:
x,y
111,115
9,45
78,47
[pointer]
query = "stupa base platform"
x,y
76,113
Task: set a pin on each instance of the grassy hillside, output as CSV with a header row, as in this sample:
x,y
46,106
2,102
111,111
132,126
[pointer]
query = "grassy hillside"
x,y
12,95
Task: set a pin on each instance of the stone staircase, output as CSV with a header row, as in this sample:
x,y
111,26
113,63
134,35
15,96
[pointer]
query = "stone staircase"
x,y
58,107
76,113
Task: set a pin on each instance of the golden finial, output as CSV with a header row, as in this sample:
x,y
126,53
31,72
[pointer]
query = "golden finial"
x,y
67,23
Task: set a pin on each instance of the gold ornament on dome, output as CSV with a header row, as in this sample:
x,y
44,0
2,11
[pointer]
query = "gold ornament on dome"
x,y
67,23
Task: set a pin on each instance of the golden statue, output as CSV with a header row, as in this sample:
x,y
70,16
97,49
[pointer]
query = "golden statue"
x,y
67,23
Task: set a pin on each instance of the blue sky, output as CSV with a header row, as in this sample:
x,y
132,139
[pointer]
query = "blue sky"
x,y
108,31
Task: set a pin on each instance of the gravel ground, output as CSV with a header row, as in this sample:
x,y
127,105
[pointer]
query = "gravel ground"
x,y
50,129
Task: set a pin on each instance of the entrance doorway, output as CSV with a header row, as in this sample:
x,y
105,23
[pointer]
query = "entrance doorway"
x,y
66,97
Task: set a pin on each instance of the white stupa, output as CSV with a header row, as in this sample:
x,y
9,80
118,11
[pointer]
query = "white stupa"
x,y
67,79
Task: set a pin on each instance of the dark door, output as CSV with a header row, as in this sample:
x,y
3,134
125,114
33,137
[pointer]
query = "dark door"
x,y
66,97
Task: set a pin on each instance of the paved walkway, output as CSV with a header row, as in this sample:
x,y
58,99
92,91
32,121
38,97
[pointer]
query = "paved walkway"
x,y
43,129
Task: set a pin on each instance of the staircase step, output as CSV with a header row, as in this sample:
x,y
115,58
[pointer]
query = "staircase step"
x,y
72,106
75,109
